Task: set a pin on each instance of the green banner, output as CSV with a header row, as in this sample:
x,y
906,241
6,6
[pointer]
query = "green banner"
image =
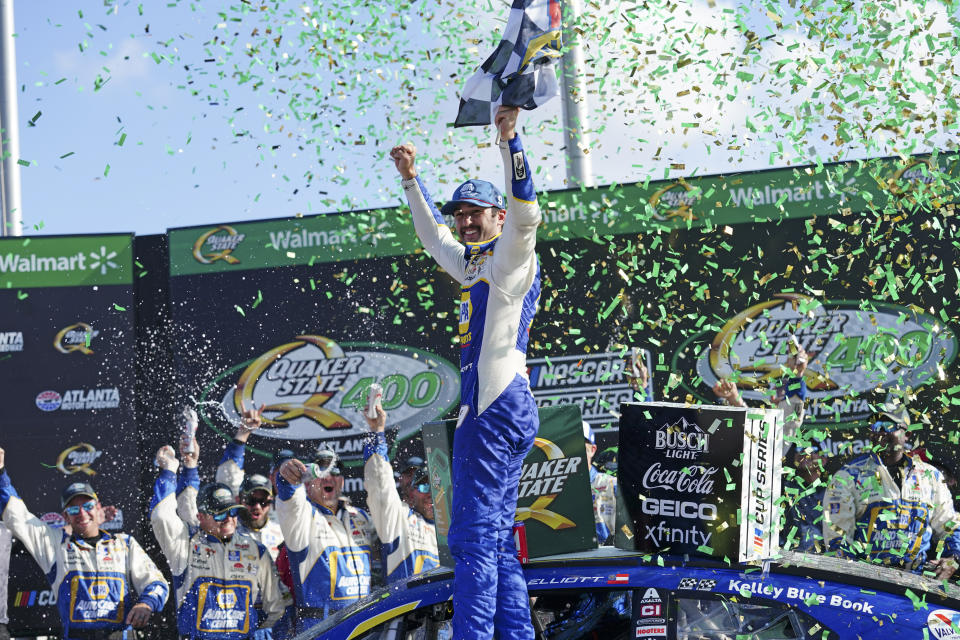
x,y
686,203
554,498
65,261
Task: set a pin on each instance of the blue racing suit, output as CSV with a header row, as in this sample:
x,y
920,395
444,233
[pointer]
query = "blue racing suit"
x,y
94,584
500,280
408,539
867,515
217,581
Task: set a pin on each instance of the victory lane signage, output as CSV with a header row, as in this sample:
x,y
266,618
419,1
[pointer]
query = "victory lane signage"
x,y
554,500
699,480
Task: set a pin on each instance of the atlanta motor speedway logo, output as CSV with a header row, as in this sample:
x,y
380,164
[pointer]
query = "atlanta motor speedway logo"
x,y
315,388
852,350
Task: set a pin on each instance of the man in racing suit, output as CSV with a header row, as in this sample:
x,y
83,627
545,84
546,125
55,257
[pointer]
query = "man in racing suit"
x,y
885,505
328,541
500,279
219,572
603,486
254,492
93,573
405,527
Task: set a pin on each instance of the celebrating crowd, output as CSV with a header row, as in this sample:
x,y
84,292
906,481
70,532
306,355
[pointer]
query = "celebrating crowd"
x,y
251,556
268,555
265,555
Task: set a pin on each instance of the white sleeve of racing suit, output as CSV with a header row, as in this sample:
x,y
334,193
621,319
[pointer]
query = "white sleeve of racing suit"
x,y
145,576
514,261
187,484
170,531
433,232
230,470
273,601
387,510
839,510
294,514
41,540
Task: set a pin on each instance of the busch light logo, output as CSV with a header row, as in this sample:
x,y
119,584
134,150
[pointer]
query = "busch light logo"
x,y
683,440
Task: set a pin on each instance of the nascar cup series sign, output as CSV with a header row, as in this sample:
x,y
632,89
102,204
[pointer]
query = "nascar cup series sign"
x,y
314,388
852,349
699,480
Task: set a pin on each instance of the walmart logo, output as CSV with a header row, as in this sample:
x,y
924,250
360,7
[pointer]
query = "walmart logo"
x,y
103,260
80,261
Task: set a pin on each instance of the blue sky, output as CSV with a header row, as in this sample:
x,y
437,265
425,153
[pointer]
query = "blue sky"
x,y
145,116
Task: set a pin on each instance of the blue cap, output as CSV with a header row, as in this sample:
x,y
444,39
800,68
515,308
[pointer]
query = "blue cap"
x,y
478,192
588,433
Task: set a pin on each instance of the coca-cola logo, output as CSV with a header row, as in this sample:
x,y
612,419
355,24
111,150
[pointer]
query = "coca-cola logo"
x,y
693,479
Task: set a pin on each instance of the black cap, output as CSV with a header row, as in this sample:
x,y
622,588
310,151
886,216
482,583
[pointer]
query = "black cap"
x,y
420,476
77,489
255,482
214,498
281,456
413,462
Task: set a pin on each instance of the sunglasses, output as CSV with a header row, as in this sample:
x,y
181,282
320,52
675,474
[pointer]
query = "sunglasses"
x,y
220,517
886,427
422,487
263,502
88,506
328,464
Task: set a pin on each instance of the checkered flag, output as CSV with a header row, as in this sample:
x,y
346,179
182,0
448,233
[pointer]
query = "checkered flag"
x,y
688,584
707,584
520,72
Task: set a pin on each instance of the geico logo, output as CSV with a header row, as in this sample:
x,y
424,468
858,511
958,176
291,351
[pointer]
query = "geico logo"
x,y
666,507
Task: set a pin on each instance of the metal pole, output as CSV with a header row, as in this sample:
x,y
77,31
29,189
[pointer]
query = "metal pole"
x,y
10,203
576,122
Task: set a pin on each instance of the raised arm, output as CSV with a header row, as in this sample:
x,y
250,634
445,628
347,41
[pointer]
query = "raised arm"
x,y
40,540
429,224
386,508
294,512
514,262
170,531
